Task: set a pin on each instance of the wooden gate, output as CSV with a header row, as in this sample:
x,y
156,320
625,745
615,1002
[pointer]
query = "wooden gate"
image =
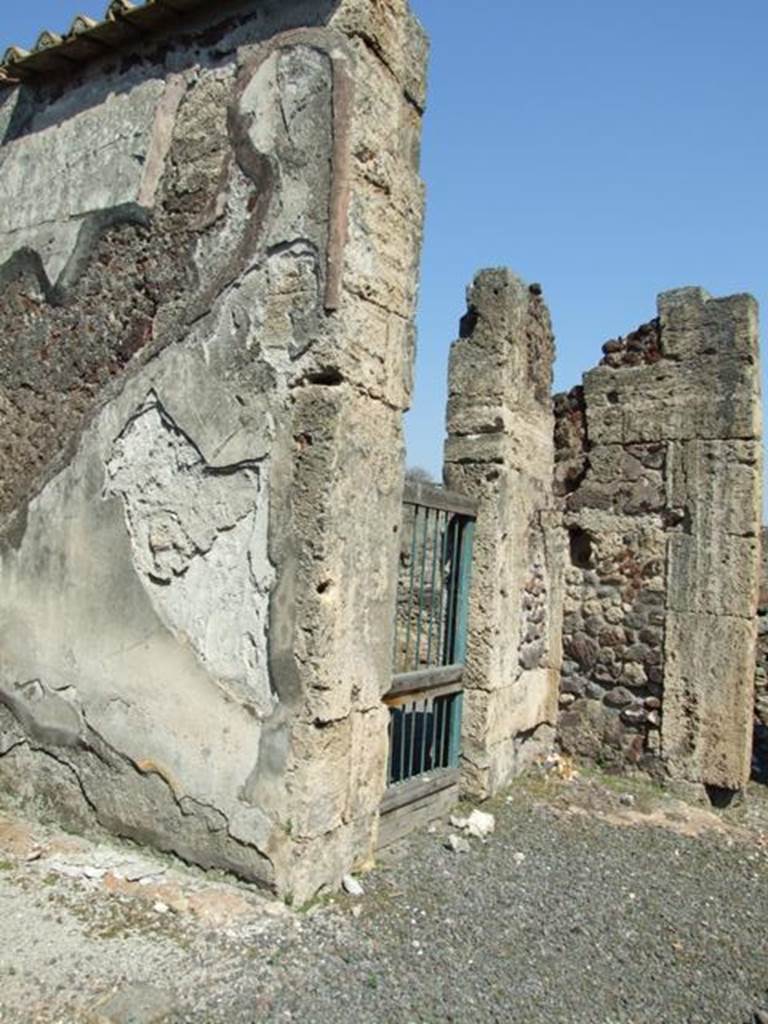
x,y
425,700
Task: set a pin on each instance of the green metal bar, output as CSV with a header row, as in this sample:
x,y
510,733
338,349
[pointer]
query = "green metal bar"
x,y
436,725
405,666
449,615
402,743
454,744
443,592
390,747
434,758
462,597
420,749
430,630
412,716
446,730
425,517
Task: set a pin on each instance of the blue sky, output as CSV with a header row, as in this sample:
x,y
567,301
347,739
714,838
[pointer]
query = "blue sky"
x,y
609,150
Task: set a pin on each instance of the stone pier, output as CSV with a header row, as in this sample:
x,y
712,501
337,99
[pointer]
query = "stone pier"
x,y
500,450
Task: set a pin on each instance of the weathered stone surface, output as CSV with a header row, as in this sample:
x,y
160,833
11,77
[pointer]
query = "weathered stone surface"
x,y
499,449
760,746
209,266
659,472
137,1004
708,698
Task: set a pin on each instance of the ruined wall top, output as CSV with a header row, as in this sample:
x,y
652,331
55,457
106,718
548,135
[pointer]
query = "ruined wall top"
x,y
502,361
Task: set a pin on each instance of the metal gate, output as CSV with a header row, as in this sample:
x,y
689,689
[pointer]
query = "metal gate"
x,y
425,700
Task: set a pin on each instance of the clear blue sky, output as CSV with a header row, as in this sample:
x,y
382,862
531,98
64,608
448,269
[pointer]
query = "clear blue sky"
x,y
608,149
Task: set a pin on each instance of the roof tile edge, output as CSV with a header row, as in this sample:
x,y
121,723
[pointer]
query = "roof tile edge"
x,y
54,52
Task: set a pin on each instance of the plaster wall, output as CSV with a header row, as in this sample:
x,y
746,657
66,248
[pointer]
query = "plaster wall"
x,y
209,268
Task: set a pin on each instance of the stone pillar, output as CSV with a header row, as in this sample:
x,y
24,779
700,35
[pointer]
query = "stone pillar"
x,y
713,570
659,468
760,752
500,450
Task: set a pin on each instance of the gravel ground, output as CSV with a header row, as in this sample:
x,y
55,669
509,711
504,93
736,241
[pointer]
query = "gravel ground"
x,y
589,905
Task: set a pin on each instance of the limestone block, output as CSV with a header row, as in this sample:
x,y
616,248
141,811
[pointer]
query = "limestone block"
x,y
513,756
395,35
368,753
719,482
499,449
692,321
474,450
715,574
318,779
497,715
669,401
708,697
340,524
317,861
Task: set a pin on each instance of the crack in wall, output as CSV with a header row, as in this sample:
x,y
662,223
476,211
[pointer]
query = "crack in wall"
x,y
140,813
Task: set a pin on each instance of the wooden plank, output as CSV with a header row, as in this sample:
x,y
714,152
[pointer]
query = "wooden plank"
x,y
424,679
437,497
399,700
401,822
403,793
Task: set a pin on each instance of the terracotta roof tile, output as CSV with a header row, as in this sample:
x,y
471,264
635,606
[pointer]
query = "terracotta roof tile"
x,y
86,38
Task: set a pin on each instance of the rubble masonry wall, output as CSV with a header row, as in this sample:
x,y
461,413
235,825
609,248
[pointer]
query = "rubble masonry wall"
x,y
658,467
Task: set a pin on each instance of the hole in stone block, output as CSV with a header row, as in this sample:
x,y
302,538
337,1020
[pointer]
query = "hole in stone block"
x,y
468,323
328,376
613,397
720,797
581,547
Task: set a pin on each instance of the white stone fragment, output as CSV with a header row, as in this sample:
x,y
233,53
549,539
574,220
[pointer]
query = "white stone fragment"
x,y
479,824
457,844
352,886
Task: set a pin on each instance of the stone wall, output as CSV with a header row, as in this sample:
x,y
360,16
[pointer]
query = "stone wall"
x,y
500,450
208,258
658,467
760,751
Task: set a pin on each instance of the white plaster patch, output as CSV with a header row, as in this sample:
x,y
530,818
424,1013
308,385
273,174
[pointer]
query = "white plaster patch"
x,y
199,544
